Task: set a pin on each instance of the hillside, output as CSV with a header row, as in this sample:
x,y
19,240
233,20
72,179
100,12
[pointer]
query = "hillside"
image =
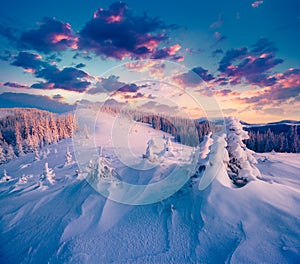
x,y
54,215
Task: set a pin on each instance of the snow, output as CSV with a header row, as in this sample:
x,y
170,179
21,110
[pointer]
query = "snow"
x,y
70,222
241,163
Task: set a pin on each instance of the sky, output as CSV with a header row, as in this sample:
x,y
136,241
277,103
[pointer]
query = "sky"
x,y
241,57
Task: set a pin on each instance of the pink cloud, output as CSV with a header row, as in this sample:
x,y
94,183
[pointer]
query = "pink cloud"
x,y
257,4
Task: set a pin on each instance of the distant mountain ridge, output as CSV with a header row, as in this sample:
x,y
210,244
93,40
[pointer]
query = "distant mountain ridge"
x,y
12,100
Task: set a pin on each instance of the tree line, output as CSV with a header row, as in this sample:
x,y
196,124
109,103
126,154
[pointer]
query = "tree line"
x,y
24,130
278,138
185,130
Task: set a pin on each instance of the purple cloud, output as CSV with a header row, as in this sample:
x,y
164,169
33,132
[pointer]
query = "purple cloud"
x,y
272,96
68,78
251,66
193,78
128,88
118,33
109,84
15,85
287,87
169,52
52,35
29,61
230,56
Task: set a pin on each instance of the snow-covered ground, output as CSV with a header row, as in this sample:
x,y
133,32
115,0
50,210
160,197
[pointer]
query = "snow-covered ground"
x,y
67,221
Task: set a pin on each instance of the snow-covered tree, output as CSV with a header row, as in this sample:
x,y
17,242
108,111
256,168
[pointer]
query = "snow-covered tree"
x,y
86,132
48,174
2,156
44,154
241,168
69,157
101,171
5,177
149,151
168,145
104,169
216,167
10,154
19,140
100,150
37,155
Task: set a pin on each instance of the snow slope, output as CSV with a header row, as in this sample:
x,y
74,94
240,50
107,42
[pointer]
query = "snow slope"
x,y
69,222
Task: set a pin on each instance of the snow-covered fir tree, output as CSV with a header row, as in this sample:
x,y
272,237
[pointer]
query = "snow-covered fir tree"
x,y
168,145
69,158
48,174
10,154
241,167
44,154
36,155
5,177
149,151
2,156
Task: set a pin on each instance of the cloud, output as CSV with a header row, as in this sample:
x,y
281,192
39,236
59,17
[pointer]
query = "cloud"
x,y
257,4
250,66
68,78
82,55
288,88
80,65
57,97
263,45
52,35
209,91
118,33
130,91
228,111
155,107
109,84
217,23
203,73
155,68
217,52
6,56
128,88
15,85
225,92
230,56
274,111
218,38
53,58
29,61
9,32
168,52
133,96
193,78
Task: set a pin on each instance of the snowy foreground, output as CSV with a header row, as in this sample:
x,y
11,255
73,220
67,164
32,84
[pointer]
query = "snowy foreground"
x,y
51,214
